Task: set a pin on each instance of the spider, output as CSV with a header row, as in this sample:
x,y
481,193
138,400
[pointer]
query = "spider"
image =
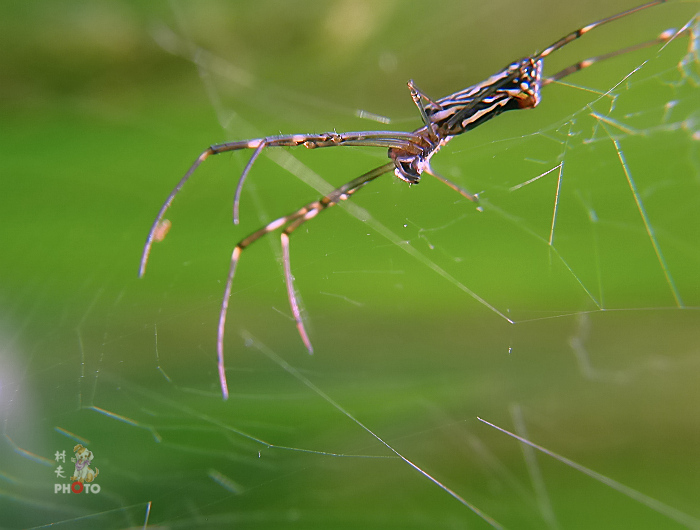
x,y
517,86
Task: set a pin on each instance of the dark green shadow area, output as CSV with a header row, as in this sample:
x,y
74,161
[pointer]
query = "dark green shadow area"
x,y
407,291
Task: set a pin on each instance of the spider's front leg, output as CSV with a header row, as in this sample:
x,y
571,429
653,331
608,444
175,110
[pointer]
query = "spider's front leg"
x,y
410,167
288,223
418,97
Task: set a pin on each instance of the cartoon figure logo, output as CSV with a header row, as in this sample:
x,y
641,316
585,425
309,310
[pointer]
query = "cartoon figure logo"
x,y
83,458
82,480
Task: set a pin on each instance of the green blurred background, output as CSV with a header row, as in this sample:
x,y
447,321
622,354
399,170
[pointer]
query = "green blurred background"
x,y
105,104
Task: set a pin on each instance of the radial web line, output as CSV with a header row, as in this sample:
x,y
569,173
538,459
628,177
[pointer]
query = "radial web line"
x,y
654,504
518,222
556,204
645,218
294,372
543,501
306,175
533,179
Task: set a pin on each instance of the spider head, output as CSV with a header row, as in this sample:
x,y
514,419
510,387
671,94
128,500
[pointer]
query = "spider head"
x,y
525,81
408,167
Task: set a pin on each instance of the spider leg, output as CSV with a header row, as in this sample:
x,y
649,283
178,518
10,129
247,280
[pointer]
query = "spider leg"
x,y
401,140
289,280
664,37
309,212
159,218
241,180
391,139
420,94
291,222
270,227
464,193
418,97
582,31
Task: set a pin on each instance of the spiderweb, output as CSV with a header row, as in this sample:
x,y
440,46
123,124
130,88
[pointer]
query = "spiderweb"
x,y
529,364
